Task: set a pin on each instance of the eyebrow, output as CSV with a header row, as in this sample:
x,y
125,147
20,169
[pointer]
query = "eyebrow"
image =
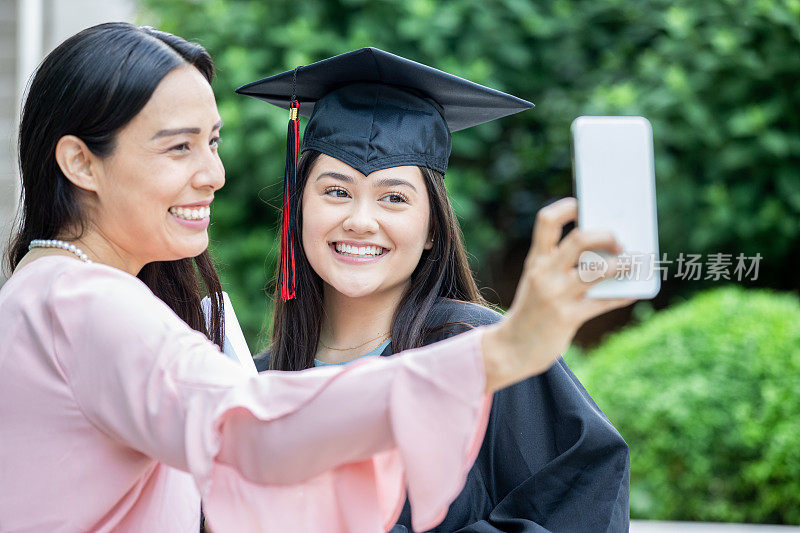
x,y
393,182
383,182
181,131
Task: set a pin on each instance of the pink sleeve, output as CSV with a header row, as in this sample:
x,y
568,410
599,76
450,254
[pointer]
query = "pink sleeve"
x,y
330,448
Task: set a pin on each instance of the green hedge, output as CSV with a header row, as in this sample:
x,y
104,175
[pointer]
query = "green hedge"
x,y
707,395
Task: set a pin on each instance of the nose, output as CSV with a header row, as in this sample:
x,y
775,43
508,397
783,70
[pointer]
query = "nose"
x,y
210,172
361,218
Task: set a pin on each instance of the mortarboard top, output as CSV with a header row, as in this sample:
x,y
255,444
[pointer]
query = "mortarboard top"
x,y
374,110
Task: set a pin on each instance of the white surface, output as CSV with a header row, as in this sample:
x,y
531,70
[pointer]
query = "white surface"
x,y
653,526
234,345
30,38
615,186
67,17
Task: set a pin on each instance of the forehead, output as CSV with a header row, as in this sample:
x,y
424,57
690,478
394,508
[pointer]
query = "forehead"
x,y
326,163
183,98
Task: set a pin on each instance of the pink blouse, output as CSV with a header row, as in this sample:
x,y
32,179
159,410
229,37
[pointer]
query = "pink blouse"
x,y
115,415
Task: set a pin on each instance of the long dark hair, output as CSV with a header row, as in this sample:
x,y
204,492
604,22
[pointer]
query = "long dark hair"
x,y
442,272
91,86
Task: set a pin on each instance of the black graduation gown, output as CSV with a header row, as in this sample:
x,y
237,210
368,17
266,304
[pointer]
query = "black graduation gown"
x,y
550,460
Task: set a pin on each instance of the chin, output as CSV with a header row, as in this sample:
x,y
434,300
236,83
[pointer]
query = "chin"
x,y
196,248
184,252
354,290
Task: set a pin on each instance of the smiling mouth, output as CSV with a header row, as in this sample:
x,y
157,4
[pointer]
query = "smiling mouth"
x,y
358,251
190,213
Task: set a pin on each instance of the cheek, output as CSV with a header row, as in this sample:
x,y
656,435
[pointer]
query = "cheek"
x,y
414,229
137,184
120,196
310,234
316,225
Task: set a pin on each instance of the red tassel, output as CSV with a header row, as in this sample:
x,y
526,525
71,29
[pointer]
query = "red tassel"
x,y
288,288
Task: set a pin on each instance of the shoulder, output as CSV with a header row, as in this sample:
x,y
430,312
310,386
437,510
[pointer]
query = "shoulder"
x,y
448,318
100,317
447,310
56,279
69,271
109,304
99,287
262,360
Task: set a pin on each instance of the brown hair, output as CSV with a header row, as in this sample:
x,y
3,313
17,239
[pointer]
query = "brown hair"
x,y
442,272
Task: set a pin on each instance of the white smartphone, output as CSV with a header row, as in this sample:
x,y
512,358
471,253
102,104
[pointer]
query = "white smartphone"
x,y
615,186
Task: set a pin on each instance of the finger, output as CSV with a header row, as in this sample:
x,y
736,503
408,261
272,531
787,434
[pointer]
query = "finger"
x,y
549,225
591,272
578,241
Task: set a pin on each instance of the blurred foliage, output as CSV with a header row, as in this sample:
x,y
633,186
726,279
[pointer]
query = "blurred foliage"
x,y
718,80
705,394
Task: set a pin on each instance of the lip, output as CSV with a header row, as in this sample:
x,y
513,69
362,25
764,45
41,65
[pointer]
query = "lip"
x,y
204,203
200,224
360,243
350,260
193,224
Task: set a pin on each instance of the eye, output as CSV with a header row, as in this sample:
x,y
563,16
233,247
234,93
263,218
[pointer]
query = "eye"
x,y
180,148
215,142
395,198
336,192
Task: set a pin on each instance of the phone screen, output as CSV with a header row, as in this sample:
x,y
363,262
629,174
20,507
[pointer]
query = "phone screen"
x,y
615,186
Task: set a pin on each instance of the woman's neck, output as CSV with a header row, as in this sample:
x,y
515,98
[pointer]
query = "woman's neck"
x,y
102,249
94,244
355,326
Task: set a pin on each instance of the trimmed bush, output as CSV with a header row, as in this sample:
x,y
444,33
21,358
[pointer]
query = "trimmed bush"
x,y
707,395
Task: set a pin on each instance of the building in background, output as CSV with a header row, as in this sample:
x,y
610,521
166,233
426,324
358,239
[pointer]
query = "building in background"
x,y
29,29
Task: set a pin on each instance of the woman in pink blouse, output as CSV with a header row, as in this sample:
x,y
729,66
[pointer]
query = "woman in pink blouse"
x,y
118,413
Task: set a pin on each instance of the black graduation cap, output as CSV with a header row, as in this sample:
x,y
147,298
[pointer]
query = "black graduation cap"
x,y
373,110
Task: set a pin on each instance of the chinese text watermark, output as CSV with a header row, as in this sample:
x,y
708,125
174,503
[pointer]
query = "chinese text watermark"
x,y
689,267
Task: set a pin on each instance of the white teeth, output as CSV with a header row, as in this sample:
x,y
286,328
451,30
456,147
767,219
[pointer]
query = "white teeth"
x,y
197,213
364,251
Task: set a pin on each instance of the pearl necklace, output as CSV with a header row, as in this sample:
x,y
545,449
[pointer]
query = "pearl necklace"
x,y
53,243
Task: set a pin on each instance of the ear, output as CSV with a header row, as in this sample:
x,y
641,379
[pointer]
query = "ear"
x,y
76,162
429,242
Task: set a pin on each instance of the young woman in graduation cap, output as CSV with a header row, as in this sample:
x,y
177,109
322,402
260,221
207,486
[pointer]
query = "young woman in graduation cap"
x,y
117,411
373,263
